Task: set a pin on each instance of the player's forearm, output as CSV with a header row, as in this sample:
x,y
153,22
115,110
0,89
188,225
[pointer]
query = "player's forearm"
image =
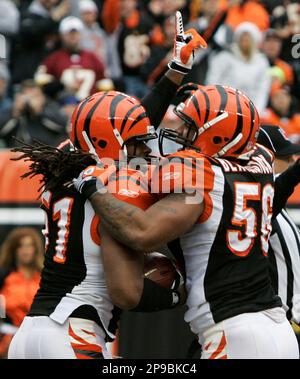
x,y
125,222
180,64
146,230
124,271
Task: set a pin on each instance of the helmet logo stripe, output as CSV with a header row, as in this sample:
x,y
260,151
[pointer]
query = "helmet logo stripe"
x,y
89,116
127,116
252,112
139,118
207,106
82,105
240,119
113,107
196,105
224,98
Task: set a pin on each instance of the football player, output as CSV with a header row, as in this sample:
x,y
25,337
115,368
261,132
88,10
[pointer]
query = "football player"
x,y
223,228
72,315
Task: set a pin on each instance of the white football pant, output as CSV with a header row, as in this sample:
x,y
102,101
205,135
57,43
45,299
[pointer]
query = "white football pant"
x,y
260,335
40,337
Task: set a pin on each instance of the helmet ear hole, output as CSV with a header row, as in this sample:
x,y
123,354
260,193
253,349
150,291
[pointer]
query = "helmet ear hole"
x,y
102,144
217,140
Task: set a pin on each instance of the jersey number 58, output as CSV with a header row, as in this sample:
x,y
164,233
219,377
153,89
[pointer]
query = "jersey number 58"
x,y
247,217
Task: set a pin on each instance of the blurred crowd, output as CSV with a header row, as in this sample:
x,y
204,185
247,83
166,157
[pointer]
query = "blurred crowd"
x,y
60,51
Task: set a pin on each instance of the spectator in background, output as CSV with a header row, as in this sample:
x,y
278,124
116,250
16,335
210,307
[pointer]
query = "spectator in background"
x,y
209,11
9,22
80,71
133,45
171,6
283,111
22,258
280,71
159,10
155,9
210,23
92,36
22,5
286,18
244,67
241,11
32,116
36,37
156,65
110,19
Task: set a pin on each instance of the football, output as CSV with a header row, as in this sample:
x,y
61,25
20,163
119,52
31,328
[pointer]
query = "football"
x,y
160,269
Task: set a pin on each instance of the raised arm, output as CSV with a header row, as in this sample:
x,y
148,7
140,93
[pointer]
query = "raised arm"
x,y
156,103
158,100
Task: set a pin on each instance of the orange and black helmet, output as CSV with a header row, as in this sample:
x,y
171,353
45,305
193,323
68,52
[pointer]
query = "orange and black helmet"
x,y
103,123
222,121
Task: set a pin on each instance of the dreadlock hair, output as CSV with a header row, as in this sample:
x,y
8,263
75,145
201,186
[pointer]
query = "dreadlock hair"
x,y
57,166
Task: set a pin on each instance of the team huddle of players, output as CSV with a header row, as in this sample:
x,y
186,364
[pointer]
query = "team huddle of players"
x,y
218,226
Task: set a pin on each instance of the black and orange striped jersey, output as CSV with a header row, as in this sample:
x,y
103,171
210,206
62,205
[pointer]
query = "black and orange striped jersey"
x,y
225,253
72,281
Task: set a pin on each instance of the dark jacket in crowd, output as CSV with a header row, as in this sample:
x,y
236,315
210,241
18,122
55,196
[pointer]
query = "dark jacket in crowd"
x,y
49,127
37,37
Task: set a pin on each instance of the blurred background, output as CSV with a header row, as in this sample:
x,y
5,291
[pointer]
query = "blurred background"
x,y
57,52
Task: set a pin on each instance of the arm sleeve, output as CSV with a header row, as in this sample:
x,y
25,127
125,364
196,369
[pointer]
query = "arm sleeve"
x,y
284,187
158,100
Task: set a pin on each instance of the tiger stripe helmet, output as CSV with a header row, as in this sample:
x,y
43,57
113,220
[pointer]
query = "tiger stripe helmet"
x,y
224,121
103,123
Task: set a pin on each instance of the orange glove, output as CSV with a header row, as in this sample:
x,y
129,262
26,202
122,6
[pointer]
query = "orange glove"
x,y
185,43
